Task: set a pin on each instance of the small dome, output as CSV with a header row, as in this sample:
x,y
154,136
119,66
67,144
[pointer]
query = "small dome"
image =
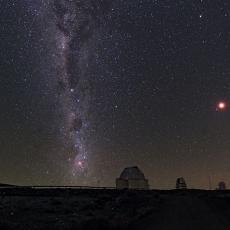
x,y
221,185
180,183
133,173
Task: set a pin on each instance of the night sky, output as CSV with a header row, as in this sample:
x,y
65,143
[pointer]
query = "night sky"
x,y
88,87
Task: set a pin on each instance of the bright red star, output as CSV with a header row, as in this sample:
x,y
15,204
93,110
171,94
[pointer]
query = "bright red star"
x,y
221,105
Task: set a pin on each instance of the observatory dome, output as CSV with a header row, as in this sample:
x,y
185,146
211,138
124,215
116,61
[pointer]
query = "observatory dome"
x,y
132,173
132,178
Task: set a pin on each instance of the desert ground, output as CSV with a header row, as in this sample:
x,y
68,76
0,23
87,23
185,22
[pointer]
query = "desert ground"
x,y
74,208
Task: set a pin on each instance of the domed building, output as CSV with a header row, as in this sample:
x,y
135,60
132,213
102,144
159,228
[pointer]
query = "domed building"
x,y
132,178
180,183
221,185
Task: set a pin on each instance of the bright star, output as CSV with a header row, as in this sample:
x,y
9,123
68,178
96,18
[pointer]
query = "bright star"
x,y
221,105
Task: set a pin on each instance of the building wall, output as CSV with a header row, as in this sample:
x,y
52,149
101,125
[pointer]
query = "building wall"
x,y
121,184
138,184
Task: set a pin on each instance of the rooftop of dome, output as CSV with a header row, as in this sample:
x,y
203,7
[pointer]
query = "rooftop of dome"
x,y
132,173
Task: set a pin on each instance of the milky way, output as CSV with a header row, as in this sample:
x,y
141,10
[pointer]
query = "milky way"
x,y
70,36
76,23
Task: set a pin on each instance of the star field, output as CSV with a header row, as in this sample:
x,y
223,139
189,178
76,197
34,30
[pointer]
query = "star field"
x,y
90,87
